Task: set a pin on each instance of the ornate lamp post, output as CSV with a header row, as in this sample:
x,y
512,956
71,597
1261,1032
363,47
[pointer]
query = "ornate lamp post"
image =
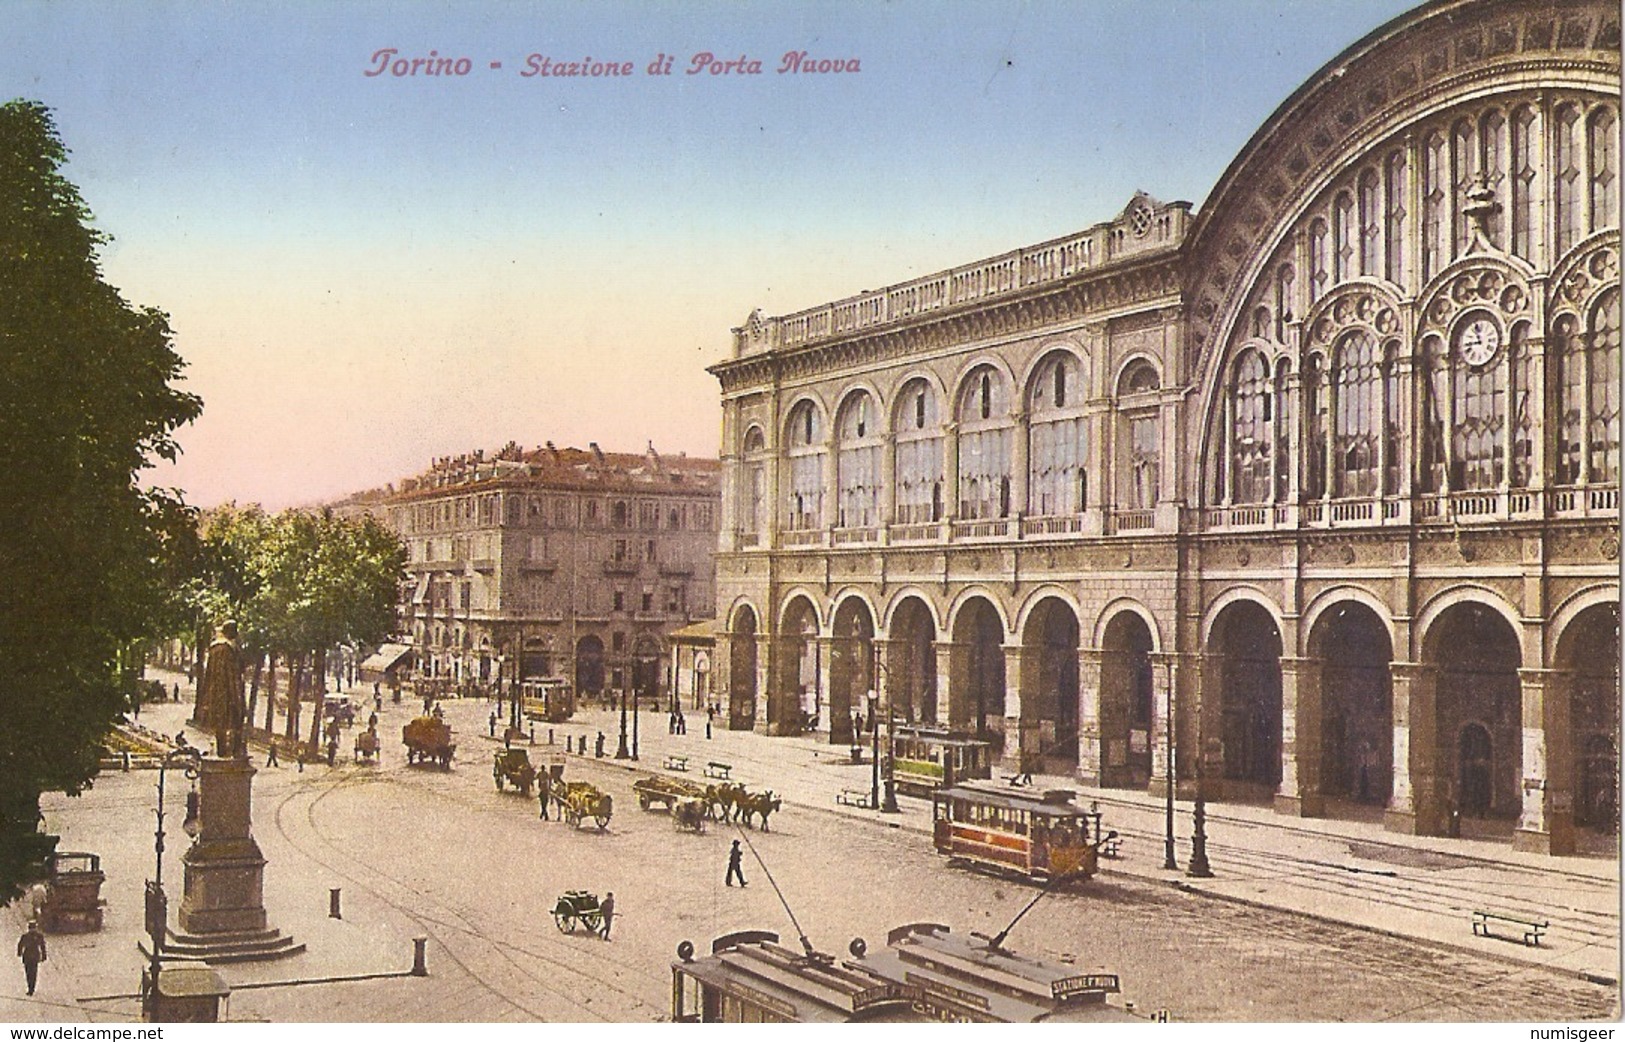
x,y
621,752
886,801
157,906
637,704
1199,867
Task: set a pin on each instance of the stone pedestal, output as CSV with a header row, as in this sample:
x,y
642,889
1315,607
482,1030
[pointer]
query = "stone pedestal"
x,y
224,889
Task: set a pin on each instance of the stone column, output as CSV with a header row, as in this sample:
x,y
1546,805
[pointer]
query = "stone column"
x,y
1546,824
839,733
1165,678
1092,768
1300,793
1417,804
888,481
949,682
764,678
950,471
1017,740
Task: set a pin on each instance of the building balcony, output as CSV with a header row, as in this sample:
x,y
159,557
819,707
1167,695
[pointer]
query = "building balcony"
x,y
620,567
540,567
855,536
676,569
1487,506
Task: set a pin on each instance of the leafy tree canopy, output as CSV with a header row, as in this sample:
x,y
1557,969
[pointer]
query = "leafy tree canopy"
x,y
90,562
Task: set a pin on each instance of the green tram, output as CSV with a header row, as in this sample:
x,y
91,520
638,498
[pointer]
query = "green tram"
x,y
925,759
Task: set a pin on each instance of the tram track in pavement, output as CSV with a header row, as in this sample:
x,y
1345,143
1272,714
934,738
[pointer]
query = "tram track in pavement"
x,y
399,894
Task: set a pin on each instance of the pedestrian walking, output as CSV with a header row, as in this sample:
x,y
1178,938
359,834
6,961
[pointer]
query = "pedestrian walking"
x,y
31,950
270,757
682,723
599,748
607,907
491,725
544,790
177,692
707,727
671,722
332,750
735,858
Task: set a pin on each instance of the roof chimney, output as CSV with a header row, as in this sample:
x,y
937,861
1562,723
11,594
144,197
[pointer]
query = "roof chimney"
x,y
597,453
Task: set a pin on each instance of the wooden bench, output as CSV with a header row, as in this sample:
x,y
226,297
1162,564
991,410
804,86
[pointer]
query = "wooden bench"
x,y
718,770
676,763
1533,929
853,798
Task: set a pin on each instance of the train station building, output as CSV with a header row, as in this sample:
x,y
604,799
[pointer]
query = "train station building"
x,y
1311,489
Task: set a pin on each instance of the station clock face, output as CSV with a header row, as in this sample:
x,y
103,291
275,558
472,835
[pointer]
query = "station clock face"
x,y
1478,340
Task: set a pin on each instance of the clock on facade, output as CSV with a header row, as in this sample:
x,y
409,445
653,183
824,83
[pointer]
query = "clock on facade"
x,y
1478,340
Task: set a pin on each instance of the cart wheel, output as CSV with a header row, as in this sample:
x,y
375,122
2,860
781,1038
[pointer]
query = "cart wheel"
x,y
602,819
643,802
566,922
593,921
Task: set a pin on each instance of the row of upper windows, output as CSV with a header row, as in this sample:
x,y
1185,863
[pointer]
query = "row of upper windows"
x,y
1057,388
554,511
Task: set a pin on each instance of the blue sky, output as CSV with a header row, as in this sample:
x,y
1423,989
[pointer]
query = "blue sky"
x,y
366,272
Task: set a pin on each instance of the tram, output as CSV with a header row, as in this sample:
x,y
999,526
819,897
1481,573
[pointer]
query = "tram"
x,y
924,974
548,700
1042,836
925,759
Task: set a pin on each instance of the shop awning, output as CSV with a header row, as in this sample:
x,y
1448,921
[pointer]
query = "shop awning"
x,y
386,657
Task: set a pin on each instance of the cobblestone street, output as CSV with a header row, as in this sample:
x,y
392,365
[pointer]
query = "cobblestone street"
x,y
421,852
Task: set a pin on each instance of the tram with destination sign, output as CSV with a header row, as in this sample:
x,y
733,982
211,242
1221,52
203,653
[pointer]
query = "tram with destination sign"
x,y
924,974
1043,836
925,759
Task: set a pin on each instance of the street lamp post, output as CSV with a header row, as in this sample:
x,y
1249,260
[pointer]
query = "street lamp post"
x,y
637,704
888,799
874,718
157,905
1199,867
621,752
1168,860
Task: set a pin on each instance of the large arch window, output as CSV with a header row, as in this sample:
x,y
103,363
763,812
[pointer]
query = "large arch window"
x,y
857,463
919,454
1567,189
1479,428
985,435
753,487
1588,395
1251,437
804,500
1357,437
1058,440
1140,440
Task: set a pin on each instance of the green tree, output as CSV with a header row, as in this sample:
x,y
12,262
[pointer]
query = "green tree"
x,y
88,558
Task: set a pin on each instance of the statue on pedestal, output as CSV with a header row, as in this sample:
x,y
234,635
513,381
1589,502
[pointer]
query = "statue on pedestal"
x,y
222,708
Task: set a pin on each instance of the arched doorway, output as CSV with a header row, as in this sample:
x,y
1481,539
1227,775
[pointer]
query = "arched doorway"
x,y
742,670
851,669
1478,752
1357,716
646,670
1248,644
589,666
1588,651
1049,688
1474,758
977,704
911,678
800,689
1126,680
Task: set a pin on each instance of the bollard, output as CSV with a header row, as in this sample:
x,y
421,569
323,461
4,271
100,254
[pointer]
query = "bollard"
x,y
419,969
126,756
549,736
333,904
532,734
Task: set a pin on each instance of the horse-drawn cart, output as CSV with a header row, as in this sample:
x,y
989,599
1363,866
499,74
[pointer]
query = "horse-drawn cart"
x,y
512,766
666,792
578,906
579,800
428,740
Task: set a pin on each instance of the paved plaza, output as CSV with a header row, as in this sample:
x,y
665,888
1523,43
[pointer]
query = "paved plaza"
x,y
1303,920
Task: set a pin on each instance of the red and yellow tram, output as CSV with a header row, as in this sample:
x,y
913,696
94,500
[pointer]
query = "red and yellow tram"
x,y
1042,836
